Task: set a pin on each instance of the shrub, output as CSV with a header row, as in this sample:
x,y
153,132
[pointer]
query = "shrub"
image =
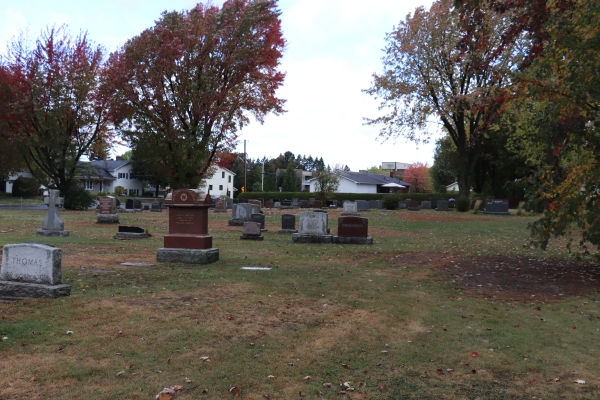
x,y
147,193
442,189
120,191
390,202
77,198
25,187
462,204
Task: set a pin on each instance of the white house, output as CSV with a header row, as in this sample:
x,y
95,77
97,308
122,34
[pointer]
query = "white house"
x,y
106,175
6,186
220,184
363,182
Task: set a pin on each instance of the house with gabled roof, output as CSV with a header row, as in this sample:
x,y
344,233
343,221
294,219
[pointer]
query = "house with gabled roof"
x,y
364,182
106,175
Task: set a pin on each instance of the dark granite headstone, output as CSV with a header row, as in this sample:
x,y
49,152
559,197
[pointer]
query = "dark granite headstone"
x,y
496,206
260,218
131,229
288,221
311,202
304,203
442,205
362,205
137,204
426,205
129,204
156,207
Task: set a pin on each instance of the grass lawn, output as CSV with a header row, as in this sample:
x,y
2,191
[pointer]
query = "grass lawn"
x,y
441,306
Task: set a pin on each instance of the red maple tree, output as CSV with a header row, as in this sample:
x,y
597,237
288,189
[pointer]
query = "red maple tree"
x,y
185,86
417,174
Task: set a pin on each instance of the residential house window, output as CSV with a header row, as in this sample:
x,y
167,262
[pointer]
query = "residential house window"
x,y
220,187
229,180
89,184
134,192
223,174
209,187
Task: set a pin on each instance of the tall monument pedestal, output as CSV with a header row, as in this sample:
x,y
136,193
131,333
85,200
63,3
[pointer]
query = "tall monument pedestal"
x,y
188,240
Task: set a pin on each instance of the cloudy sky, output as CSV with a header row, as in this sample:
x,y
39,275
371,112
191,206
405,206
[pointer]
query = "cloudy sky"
x,y
334,46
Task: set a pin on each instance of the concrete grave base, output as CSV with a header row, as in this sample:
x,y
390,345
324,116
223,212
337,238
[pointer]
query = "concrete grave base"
x,y
437,209
107,218
251,237
236,222
352,240
187,256
297,238
130,235
51,232
219,211
496,213
288,231
413,209
22,289
350,214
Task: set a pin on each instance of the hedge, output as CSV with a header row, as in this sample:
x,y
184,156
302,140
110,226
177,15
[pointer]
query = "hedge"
x,y
345,196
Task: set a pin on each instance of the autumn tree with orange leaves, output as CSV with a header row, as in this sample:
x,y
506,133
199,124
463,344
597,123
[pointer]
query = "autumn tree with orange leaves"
x,y
186,86
417,174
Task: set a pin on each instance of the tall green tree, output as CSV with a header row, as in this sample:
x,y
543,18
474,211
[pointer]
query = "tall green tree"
x,y
186,85
429,77
54,104
290,180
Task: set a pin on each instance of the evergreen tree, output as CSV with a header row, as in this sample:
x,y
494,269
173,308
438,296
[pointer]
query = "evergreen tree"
x,y
290,180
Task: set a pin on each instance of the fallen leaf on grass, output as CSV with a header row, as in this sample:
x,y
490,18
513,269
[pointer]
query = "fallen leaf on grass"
x,y
119,373
168,393
580,381
440,372
449,370
205,358
271,376
474,354
307,377
69,332
235,390
346,384
346,366
327,384
188,380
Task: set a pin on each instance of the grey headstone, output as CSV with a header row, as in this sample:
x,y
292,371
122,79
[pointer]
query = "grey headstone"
x,y
31,263
295,202
229,203
251,229
350,207
312,223
425,205
53,220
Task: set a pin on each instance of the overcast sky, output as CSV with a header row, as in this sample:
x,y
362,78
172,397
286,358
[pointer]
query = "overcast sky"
x,y
333,48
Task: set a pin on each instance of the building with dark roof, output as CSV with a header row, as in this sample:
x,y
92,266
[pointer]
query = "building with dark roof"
x,y
106,175
364,182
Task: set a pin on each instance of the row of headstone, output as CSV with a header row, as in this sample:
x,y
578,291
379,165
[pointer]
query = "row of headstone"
x,y
313,228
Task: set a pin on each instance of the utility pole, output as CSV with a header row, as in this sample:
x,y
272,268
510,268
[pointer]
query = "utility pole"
x,y
262,185
245,166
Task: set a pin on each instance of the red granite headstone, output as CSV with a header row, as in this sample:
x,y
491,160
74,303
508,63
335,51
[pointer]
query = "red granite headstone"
x,y
269,204
188,220
220,205
255,202
317,204
353,227
107,205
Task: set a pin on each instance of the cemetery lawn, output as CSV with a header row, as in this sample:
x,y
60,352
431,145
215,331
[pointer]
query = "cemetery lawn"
x,y
441,306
